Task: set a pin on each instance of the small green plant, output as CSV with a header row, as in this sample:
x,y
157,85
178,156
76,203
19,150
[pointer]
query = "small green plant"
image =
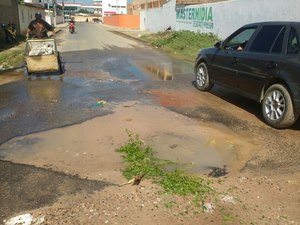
x,y
228,217
170,204
140,160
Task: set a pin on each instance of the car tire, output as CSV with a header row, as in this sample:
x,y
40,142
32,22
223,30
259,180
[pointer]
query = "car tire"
x,y
277,107
202,78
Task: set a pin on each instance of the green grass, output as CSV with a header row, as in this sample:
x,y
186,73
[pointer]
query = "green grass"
x,y
12,57
182,43
141,160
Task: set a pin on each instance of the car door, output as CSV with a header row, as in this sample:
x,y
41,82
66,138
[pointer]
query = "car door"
x,y
224,63
292,64
262,59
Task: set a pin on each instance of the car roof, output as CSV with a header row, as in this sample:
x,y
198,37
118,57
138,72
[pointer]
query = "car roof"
x,y
272,23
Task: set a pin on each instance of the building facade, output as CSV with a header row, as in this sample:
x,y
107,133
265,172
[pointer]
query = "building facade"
x,y
39,2
112,7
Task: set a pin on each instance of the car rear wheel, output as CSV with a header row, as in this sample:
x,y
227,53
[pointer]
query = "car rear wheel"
x,y
277,107
202,78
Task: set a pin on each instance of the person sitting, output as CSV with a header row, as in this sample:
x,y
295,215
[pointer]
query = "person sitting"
x,y
39,28
242,46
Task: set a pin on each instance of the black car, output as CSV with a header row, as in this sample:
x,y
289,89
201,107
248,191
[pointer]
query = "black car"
x,y
260,61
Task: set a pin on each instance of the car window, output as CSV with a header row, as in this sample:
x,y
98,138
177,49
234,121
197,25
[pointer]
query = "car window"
x,y
293,44
265,38
239,41
277,47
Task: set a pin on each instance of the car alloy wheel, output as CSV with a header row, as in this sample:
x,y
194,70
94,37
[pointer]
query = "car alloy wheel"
x,y
202,78
277,107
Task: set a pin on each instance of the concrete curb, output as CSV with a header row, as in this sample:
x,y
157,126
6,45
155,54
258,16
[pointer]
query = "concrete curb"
x,y
127,36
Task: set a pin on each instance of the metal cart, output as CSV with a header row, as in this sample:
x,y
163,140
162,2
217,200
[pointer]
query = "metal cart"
x,y
41,56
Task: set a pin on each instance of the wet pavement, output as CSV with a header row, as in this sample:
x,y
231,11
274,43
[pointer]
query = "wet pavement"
x,y
113,75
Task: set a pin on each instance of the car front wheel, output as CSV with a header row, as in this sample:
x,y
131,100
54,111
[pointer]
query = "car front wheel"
x,y
202,78
277,107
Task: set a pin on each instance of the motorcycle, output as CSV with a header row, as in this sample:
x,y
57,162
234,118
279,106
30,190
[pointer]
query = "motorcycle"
x,y
10,33
72,28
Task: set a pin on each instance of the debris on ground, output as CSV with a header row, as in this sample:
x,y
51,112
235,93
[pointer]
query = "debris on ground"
x,y
99,103
136,180
208,207
130,105
228,199
25,219
218,172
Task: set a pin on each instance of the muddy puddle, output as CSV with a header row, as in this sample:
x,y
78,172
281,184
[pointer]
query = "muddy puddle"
x,y
159,71
88,149
198,154
11,76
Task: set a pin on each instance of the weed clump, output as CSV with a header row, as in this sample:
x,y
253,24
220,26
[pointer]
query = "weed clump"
x,y
141,160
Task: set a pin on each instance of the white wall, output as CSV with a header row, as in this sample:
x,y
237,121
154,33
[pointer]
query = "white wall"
x,y
158,19
26,15
221,18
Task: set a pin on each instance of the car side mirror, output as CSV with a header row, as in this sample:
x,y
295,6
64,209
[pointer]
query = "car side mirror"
x,y
218,44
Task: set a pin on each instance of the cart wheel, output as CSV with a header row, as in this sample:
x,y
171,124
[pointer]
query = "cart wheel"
x,y
60,69
60,65
28,73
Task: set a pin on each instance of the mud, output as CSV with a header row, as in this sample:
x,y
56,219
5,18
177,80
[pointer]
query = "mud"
x,y
11,76
89,147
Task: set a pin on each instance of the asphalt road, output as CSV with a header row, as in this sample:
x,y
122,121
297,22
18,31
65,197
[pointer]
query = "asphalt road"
x,y
97,65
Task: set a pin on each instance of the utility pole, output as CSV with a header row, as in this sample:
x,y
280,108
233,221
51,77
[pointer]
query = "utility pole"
x,y
48,8
63,9
54,12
